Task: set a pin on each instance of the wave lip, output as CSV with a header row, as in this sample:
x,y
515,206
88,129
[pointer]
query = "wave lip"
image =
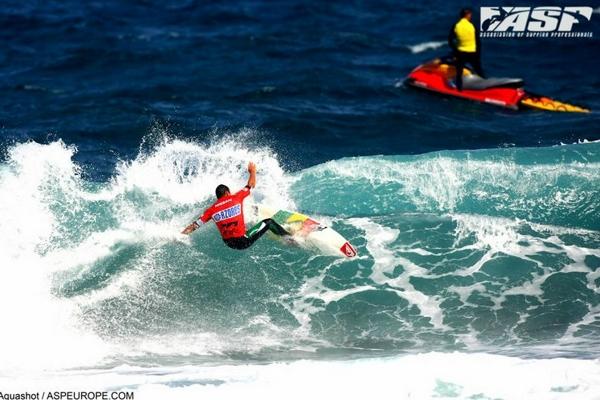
x,y
556,186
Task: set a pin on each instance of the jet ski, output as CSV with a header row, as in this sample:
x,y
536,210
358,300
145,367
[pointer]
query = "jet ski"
x,y
439,76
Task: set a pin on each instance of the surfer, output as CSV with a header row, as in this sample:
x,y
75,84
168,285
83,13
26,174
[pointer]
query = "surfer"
x,y
228,214
464,42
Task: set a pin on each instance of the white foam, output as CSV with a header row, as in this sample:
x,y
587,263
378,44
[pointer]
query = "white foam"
x,y
419,376
39,330
301,303
592,318
499,235
422,47
464,292
205,343
580,141
187,172
379,240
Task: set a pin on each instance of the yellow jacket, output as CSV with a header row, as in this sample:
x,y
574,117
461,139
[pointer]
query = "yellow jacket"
x,y
465,36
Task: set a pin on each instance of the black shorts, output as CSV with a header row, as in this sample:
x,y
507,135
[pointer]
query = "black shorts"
x,y
243,242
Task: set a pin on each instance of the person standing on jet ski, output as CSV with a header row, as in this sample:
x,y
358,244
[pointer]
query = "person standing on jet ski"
x,y
465,44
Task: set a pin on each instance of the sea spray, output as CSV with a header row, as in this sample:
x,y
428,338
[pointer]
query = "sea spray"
x,y
39,330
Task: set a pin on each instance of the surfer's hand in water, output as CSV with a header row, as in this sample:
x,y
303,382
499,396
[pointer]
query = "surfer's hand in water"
x,y
190,228
251,167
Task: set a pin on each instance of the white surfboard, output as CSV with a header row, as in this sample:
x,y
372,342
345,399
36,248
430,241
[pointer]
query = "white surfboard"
x,y
306,231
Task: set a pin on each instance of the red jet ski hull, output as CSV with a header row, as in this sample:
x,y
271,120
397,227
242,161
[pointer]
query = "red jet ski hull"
x,y
437,77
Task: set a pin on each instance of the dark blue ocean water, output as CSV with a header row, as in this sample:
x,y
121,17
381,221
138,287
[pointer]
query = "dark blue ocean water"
x,y
316,77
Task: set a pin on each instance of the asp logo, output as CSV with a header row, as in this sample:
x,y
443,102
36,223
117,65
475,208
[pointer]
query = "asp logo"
x,y
534,19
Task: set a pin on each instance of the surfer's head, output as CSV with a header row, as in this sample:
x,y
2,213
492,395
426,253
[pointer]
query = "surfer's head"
x,y
466,13
221,191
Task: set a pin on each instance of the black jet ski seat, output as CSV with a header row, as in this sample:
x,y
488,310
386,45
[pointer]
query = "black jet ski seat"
x,y
475,82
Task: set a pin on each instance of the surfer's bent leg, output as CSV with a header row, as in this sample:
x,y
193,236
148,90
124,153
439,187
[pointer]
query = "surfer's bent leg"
x,y
248,240
275,227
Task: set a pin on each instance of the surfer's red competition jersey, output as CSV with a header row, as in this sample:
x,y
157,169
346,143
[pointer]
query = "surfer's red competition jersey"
x,y
228,214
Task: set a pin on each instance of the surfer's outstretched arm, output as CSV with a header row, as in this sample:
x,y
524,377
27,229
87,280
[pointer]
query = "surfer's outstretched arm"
x,y
252,178
204,218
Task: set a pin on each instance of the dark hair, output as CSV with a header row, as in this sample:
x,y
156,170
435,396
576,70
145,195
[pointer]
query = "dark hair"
x,y
465,11
221,191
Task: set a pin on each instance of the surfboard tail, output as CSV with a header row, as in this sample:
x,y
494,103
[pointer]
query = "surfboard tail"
x,y
348,250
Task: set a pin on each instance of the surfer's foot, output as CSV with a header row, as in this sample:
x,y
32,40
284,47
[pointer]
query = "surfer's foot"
x,y
276,228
